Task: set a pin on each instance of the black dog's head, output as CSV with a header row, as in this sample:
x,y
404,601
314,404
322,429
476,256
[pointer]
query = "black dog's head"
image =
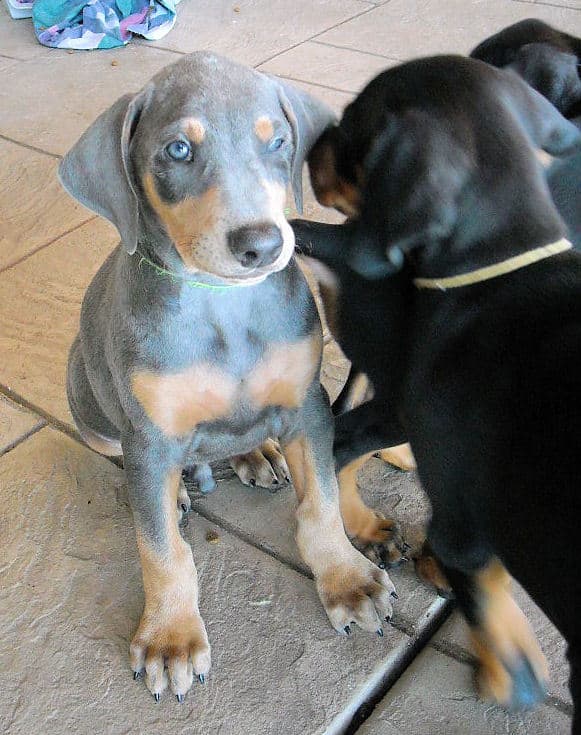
x,y
546,58
439,152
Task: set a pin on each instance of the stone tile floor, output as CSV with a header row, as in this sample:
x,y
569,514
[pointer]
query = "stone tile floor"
x,y
70,591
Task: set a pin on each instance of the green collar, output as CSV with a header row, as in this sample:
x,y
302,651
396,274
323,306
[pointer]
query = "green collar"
x,y
192,284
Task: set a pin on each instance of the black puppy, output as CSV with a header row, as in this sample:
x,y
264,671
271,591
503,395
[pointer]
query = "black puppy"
x,y
473,346
549,60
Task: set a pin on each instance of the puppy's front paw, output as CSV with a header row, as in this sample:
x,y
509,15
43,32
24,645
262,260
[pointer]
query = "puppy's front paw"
x,y
170,646
356,591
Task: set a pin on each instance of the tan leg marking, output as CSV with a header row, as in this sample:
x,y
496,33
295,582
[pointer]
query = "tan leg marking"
x,y
367,526
399,456
428,570
504,638
351,588
171,631
178,402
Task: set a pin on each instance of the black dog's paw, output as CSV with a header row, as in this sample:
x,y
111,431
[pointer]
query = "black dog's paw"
x,y
382,542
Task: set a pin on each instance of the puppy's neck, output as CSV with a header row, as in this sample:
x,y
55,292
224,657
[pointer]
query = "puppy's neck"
x,y
484,238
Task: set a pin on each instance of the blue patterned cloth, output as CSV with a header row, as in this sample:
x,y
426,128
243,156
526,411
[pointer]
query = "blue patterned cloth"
x,y
89,24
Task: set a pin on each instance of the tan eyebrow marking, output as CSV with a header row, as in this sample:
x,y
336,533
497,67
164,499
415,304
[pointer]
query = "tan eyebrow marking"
x,y
195,130
264,128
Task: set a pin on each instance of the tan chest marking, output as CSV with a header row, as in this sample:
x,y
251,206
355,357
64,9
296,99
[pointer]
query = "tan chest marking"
x,y
178,402
186,221
284,374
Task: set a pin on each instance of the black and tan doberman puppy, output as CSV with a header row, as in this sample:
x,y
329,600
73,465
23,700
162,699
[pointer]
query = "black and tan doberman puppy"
x,y
550,61
199,336
461,299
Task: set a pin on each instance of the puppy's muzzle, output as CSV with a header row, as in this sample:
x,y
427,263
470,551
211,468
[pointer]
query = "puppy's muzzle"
x,y
256,246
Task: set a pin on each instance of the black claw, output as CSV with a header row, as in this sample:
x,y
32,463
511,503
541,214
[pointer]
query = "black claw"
x,y
253,482
405,558
347,630
388,618
202,678
405,547
136,675
395,595
184,508
287,479
157,696
381,565
180,698
275,481
376,455
380,632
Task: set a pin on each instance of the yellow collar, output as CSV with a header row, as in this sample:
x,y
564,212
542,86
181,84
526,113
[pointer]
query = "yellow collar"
x,y
499,269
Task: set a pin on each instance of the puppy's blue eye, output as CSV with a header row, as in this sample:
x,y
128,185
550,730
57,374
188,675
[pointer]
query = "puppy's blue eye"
x,y
275,144
179,150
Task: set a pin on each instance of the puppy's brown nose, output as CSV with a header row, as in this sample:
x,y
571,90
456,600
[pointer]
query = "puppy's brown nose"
x,y
255,245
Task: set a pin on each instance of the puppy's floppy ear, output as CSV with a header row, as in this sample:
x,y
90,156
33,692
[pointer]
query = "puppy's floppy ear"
x,y
308,117
96,169
415,172
541,121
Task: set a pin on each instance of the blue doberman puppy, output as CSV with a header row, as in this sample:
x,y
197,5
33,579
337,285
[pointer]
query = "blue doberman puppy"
x,y
199,336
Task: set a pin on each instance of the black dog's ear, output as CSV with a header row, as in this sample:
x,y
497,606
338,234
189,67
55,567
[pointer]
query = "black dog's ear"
x,y
415,172
542,122
308,118
96,169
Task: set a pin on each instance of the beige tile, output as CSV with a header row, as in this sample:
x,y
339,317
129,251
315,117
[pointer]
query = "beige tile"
x,y
573,4
455,633
258,30
436,695
395,493
407,28
5,63
40,300
342,69
49,104
72,597
15,422
34,208
17,37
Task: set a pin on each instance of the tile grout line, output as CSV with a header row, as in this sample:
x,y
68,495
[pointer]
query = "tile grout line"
x,y
389,671
46,245
358,51
30,147
316,84
23,437
370,9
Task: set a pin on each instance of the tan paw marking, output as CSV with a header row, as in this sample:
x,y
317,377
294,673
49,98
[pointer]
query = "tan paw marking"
x,y
356,591
172,640
265,466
